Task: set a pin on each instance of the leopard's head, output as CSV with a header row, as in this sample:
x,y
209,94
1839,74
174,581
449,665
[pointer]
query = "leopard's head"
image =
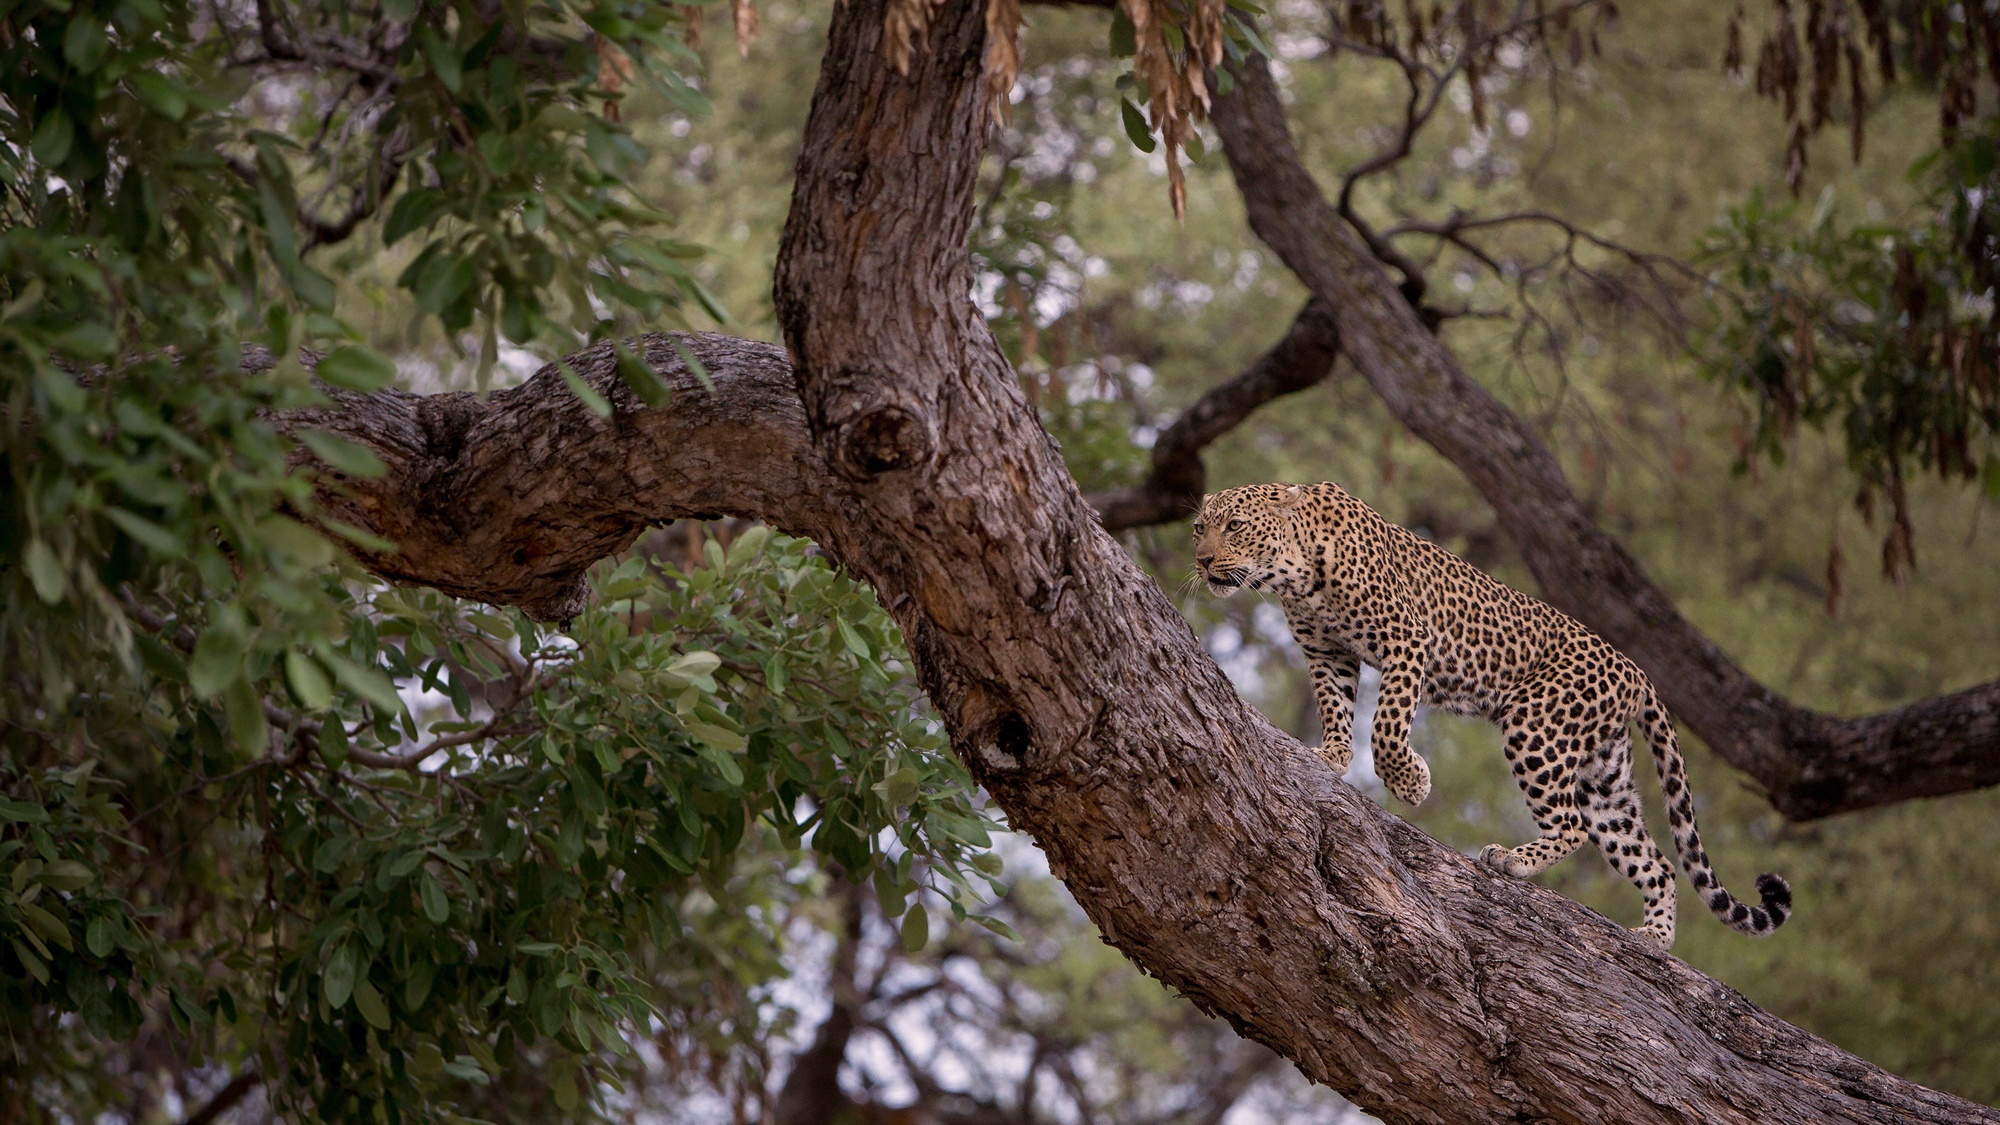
x,y
1243,537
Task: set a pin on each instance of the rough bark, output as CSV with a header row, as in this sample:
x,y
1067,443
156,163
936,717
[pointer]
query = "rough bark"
x,y
1811,764
1173,487
1213,849
1208,845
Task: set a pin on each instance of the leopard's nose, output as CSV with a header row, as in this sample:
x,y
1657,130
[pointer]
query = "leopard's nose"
x,y
1202,561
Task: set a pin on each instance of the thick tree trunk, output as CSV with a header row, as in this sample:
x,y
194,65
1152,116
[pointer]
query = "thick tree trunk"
x,y
1811,764
1212,848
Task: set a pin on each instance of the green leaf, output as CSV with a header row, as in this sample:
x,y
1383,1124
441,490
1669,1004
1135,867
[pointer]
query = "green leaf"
x,y
916,928
53,138
584,392
641,378
356,367
851,639
436,907
692,665
243,704
97,937
337,979
900,788
437,282
295,542
724,762
466,1067
369,683
68,875
889,891
333,743
45,571
46,924
84,42
22,813
562,1083
414,210
721,738
444,60
145,532
1124,37
403,864
342,455
309,682
369,1003
1135,125
217,662
694,366
34,964
417,988
159,93
997,926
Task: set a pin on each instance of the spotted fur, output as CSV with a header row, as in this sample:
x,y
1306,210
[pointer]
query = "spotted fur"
x,y
1357,588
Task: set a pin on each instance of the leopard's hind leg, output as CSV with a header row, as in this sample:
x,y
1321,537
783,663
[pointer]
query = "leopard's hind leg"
x,y
1545,776
1610,803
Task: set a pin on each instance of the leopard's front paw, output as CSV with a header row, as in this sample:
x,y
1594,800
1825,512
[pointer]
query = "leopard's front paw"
x,y
1410,782
1338,755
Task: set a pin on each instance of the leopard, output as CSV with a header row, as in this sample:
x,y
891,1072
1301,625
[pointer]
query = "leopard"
x,y
1358,589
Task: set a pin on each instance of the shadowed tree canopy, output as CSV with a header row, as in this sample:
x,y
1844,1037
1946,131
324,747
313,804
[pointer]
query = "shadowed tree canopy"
x,y
662,738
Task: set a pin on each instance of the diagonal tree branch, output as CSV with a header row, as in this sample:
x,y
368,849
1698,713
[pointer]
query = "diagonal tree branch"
x,y
1809,763
1173,489
1213,849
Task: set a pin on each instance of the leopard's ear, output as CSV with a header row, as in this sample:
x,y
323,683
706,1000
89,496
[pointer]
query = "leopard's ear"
x,y
1289,496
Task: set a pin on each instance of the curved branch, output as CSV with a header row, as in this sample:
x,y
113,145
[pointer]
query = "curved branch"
x,y
1810,764
510,499
1172,490
1212,848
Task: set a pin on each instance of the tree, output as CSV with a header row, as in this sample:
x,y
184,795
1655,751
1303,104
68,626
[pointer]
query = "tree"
x,y
1203,843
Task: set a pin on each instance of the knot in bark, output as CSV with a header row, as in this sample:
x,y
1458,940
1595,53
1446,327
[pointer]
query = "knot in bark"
x,y
883,439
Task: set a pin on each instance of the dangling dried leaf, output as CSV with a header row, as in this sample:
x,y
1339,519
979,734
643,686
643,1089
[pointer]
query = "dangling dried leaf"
x,y
906,22
1003,51
1835,564
614,66
1899,546
1170,57
743,14
614,70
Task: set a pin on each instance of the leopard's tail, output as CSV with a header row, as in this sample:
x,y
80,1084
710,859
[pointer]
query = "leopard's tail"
x,y
1756,921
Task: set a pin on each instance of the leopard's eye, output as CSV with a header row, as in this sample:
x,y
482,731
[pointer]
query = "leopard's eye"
x,y
1198,527
1233,525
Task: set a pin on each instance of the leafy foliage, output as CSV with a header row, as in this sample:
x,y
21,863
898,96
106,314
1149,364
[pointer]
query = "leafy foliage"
x,y
227,834
165,170
1887,335
467,892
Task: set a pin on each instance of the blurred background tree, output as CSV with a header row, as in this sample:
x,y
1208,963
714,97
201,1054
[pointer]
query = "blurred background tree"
x,y
258,807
